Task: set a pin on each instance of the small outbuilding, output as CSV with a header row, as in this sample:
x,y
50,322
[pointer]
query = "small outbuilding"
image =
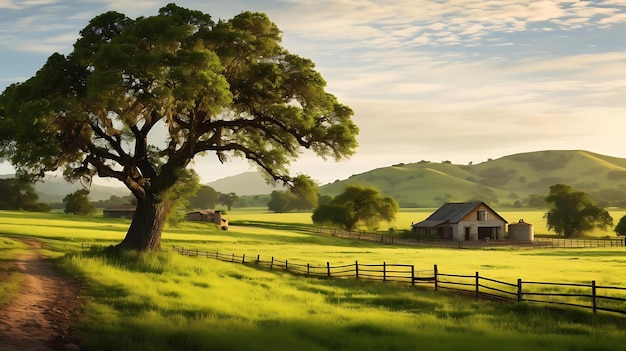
x,y
208,216
123,211
521,231
463,221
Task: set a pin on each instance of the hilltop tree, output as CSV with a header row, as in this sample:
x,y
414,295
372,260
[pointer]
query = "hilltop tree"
x,y
137,100
78,202
573,212
357,205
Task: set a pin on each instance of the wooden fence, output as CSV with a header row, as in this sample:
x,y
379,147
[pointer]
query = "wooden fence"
x,y
589,296
539,242
562,242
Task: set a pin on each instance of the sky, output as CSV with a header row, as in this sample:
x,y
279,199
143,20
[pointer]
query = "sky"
x,y
459,80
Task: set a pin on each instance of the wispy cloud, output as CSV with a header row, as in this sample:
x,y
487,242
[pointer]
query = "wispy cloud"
x,y
467,78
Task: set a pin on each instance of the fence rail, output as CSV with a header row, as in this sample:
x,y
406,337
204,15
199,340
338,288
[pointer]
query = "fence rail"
x,y
389,239
562,242
588,296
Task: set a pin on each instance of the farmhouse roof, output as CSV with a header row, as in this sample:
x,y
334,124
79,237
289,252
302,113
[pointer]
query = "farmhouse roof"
x,y
453,212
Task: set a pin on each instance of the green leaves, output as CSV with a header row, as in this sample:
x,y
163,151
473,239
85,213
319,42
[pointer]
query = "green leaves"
x,y
227,88
573,212
357,205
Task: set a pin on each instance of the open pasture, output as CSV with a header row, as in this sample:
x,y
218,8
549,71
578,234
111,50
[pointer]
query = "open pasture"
x,y
165,301
406,216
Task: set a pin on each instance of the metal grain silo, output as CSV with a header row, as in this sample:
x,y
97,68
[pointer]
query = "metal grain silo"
x,y
521,231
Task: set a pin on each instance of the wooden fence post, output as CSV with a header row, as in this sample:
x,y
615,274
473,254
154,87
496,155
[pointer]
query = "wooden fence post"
x,y
258,259
196,252
519,290
232,259
328,268
243,259
436,279
217,255
356,267
272,263
286,266
412,275
308,269
593,296
477,283
384,271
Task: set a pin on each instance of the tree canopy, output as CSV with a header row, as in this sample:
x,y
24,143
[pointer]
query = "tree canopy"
x,y
206,197
303,195
229,200
79,203
137,99
357,205
572,212
620,228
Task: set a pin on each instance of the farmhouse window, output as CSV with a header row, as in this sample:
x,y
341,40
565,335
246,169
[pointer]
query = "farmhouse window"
x,y
481,215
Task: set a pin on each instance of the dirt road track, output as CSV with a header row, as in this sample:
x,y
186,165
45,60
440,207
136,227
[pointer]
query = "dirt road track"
x,y
37,319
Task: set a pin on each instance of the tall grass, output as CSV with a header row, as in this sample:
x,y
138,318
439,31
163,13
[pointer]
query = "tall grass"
x,y
169,302
165,301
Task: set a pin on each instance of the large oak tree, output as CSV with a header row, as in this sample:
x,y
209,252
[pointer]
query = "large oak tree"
x,y
572,212
225,88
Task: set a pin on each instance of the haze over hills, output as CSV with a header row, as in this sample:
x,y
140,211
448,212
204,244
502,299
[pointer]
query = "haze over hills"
x,y
507,181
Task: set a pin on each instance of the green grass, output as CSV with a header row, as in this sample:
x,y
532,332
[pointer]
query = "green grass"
x,y
10,280
406,216
166,301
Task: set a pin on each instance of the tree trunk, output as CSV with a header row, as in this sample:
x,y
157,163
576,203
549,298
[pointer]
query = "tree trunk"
x,y
144,233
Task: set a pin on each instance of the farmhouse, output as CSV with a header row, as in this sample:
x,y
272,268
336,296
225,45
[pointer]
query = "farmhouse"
x,y
208,216
463,221
123,211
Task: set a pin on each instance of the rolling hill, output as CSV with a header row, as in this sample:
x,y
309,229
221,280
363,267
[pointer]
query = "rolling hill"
x,y
512,180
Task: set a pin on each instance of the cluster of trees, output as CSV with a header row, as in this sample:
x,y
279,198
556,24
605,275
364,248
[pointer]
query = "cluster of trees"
x,y
303,195
78,202
19,194
207,197
357,205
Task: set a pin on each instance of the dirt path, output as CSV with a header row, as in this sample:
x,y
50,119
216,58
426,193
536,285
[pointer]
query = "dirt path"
x,y
37,318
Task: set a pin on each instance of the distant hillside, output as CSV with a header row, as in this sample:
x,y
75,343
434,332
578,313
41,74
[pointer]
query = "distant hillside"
x,y
509,180
54,189
243,184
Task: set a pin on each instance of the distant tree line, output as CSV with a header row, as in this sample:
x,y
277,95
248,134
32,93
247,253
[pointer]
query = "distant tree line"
x,y
19,194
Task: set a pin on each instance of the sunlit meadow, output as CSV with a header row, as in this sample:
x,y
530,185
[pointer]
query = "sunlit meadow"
x,y
166,301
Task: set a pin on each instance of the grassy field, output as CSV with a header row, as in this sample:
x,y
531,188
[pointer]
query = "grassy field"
x,y
406,216
165,301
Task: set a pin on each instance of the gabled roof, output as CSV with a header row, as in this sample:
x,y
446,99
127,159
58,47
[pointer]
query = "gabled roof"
x,y
453,212
430,223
